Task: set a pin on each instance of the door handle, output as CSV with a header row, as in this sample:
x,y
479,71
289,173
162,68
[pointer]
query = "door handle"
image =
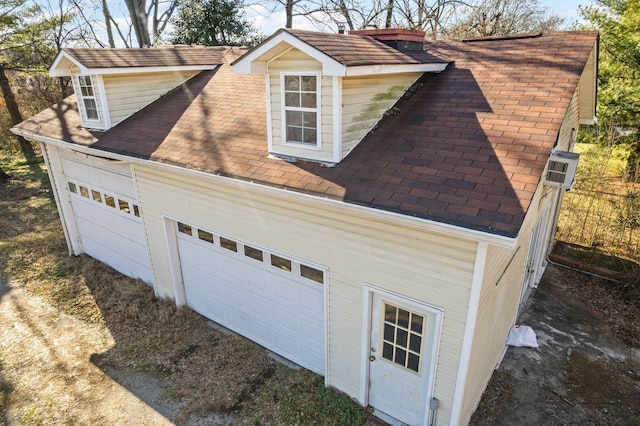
x,y
372,358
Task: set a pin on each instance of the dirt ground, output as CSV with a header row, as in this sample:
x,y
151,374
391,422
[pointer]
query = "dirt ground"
x,y
582,373
47,360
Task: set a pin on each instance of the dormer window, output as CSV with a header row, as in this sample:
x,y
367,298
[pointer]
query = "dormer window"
x,y
301,105
88,98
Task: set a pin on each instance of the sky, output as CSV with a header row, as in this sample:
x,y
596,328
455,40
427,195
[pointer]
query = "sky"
x,y
267,22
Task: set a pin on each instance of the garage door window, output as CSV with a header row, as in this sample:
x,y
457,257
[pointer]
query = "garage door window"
x,y
271,261
121,205
205,236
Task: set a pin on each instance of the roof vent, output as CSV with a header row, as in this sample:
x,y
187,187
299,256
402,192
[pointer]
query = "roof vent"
x,y
398,38
561,169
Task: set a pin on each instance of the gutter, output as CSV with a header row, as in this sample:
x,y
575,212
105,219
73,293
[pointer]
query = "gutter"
x,y
396,218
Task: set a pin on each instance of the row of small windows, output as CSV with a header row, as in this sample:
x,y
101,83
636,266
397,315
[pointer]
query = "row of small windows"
x,y
108,200
278,262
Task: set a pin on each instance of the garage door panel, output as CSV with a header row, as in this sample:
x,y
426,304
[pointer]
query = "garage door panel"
x,y
127,266
118,244
109,181
272,307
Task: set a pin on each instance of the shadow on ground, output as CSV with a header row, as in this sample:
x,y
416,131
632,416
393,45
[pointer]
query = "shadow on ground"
x,y
579,374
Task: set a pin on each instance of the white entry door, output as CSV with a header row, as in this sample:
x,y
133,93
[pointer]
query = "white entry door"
x,y
402,358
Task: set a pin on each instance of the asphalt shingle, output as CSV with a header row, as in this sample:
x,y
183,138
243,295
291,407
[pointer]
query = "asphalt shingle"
x,y
467,148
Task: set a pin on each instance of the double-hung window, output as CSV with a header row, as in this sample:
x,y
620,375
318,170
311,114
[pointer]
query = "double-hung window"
x,y
301,109
88,97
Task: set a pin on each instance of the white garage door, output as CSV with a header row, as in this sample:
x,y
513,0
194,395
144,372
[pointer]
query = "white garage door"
x,y
274,300
107,213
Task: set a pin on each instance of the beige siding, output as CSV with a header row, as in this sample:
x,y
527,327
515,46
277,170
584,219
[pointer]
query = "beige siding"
x,y
293,61
127,94
365,99
502,284
499,300
587,88
432,268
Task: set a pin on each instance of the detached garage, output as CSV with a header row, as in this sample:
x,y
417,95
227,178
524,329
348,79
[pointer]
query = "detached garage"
x,y
271,298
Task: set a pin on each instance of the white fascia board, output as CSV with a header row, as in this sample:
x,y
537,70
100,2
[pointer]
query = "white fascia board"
x,y
394,69
371,213
57,70
60,69
140,70
589,121
245,65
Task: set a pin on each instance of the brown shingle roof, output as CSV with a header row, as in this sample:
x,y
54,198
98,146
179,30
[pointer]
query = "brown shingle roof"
x,y
467,148
357,50
166,56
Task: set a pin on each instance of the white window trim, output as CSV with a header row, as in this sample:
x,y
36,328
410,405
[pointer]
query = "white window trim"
x,y
82,98
103,121
283,108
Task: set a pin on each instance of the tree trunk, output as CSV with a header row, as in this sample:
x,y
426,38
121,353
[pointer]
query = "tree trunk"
x,y
14,112
107,22
388,20
139,22
3,175
289,11
346,14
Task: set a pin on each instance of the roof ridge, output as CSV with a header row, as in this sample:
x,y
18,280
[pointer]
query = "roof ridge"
x,y
517,36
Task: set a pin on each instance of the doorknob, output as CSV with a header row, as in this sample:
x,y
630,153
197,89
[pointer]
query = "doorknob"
x,y
372,358
373,349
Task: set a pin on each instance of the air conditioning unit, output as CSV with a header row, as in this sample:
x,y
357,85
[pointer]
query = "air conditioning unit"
x,y
561,169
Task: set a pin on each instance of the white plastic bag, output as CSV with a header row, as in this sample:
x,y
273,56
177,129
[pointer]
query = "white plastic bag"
x,y
522,336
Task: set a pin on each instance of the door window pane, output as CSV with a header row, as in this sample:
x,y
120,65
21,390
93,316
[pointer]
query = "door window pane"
x,y
402,337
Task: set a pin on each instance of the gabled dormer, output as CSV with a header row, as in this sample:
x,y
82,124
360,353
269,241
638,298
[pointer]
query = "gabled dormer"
x,y
112,84
325,92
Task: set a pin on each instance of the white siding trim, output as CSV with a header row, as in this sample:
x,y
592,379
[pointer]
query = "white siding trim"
x,y
144,228
102,93
54,173
252,63
171,240
337,119
376,214
56,71
393,69
467,343
267,89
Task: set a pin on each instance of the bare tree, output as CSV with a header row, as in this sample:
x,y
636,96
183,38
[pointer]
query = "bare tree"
x,y
502,17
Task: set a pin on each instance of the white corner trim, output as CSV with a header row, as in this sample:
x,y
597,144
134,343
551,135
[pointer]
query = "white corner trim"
x,y
469,330
171,241
104,105
337,118
52,170
267,89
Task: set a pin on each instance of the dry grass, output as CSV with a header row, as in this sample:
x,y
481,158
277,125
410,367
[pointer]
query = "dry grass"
x,y
602,211
204,369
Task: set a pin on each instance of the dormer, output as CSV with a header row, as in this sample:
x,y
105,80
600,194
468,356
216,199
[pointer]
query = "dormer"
x,y
112,84
325,92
